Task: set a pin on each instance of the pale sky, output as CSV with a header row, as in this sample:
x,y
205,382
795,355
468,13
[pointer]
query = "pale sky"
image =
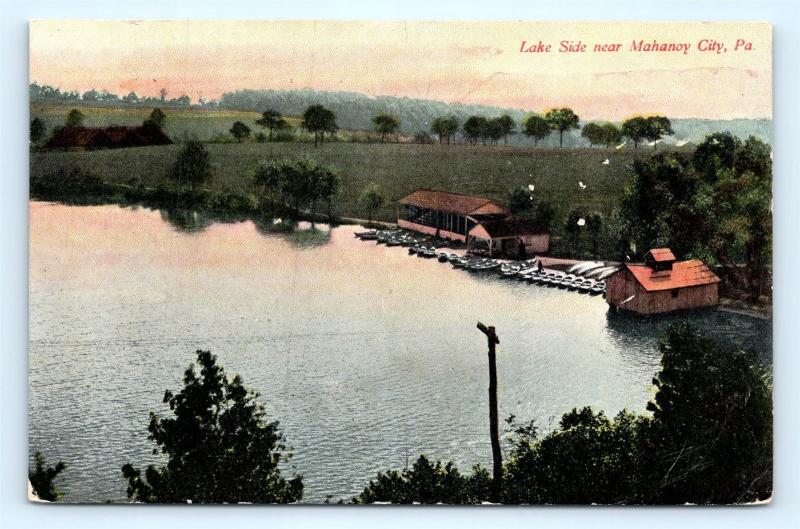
x,y
467,62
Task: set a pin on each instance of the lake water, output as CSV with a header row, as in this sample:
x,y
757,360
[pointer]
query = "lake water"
x,y
366,355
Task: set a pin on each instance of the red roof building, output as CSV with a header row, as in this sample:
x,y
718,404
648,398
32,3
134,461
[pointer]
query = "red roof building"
x,y
663,284
447,215
107,137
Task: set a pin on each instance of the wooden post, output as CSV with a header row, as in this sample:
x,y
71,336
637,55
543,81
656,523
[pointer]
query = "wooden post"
x,y
494,433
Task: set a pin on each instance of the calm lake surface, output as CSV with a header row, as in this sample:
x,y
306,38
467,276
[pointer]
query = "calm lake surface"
x,y
366,355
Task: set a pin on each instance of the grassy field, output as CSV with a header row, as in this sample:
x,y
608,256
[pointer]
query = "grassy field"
x,y
201,124
397,168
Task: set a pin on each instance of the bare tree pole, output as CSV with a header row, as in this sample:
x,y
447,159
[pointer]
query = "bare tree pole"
x,y
494,433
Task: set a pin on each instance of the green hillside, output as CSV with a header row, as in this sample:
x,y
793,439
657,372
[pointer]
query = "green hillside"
x,y
397,168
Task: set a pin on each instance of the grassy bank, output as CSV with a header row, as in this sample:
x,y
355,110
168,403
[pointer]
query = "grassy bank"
x,y
397,169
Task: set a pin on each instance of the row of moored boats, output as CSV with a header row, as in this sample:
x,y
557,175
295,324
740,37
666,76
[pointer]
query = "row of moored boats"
x,y
586,277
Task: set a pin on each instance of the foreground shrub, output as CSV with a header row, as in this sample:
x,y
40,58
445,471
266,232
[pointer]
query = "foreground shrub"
x,y
220,448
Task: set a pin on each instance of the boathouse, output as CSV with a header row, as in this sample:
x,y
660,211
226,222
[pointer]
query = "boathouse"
x,y
662,284
447,215
509,238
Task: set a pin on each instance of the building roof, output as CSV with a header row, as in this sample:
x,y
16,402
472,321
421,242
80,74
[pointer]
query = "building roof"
x,y
453,203
506,228
108,137
660,255
683,274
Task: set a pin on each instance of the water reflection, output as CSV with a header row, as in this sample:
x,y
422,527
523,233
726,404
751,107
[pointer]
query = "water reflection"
x,y
298,233
187,220
302,234
729,330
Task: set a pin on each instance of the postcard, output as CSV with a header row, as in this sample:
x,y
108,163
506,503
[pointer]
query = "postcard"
x,y
400,262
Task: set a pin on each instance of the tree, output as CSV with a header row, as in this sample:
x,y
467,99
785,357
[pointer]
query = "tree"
x,y
573,229
131,98
328,184
193,165
656,127
38,130
736,202
428,483
157,117
219,446
611,135
91,95
385,123
272,120
660,207
475,128
74,118
240,131
445,127
711,435
562,120
298,182
594,225
636,129
594,133
371,199
716,153
536,127
497,128
708,441
522,205
42,478
319,120
505,126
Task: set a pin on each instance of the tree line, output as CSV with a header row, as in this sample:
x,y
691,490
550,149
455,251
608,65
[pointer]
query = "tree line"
x,y
47,93
707,439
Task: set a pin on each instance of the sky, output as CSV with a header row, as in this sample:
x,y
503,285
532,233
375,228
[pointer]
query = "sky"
x,y
465,62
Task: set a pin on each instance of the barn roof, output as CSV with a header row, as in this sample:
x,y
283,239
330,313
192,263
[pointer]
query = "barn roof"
x,y
498,229
660,255
683,274
453,202
115,136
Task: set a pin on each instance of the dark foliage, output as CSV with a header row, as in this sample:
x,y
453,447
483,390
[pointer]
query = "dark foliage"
x,y
42,478
193,165
74,118
219,446
428,483
76,186
240,131
523,206
319,120
38,130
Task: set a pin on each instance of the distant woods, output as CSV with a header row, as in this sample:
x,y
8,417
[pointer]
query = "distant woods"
x,y
324,116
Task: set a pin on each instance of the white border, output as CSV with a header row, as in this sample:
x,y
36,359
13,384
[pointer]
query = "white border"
x,y
15,511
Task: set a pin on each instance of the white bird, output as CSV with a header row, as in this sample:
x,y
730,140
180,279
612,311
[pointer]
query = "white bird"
x,y
605,162
581,221
581,185
628,257
621,145
531,198
531,187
